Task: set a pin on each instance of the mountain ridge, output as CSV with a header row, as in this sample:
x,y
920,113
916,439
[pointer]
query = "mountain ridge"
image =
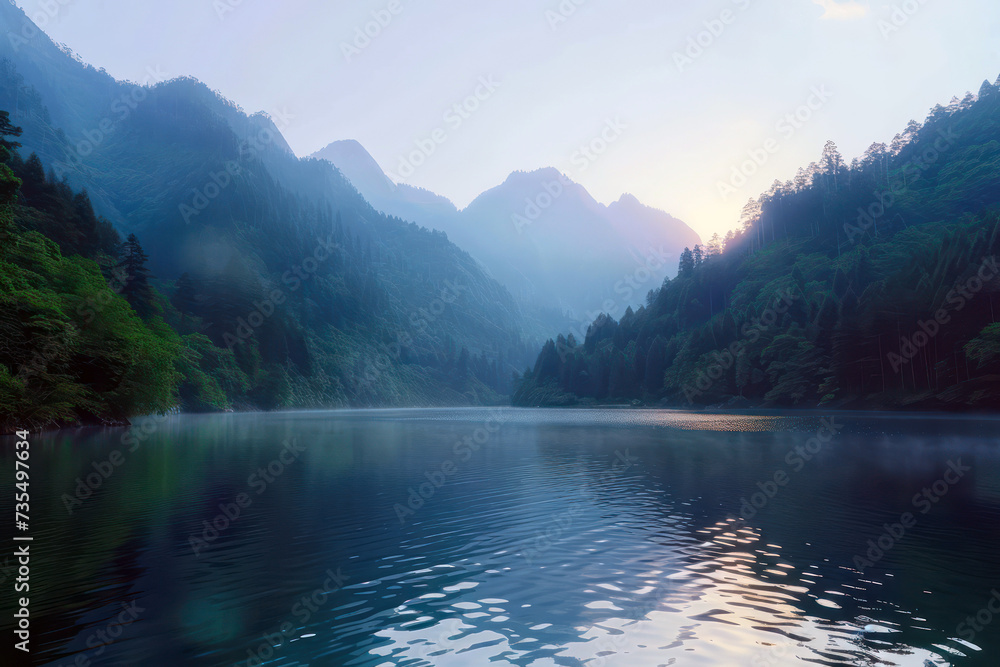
x,y
532,230
385,313
847,288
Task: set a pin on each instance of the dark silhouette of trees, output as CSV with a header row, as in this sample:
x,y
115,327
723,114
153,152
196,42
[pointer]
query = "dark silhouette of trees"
x,y
134,275
850,285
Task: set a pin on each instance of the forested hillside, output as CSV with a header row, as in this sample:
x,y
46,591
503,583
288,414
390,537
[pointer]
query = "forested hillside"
x,y
87,338
264,281
872,284
535,231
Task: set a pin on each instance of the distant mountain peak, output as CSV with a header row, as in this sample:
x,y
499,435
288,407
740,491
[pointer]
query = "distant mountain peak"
x,y
347,147
350,149
547,173
349,143
630,202
260,122
398,199
358,166
532,229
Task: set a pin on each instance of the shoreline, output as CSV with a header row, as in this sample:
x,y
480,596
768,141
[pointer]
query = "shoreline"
x,y
713,410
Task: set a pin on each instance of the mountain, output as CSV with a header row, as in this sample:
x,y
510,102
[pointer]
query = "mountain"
x,y
551,243
644,226
360,169
273,262
873,285
542,235
402,201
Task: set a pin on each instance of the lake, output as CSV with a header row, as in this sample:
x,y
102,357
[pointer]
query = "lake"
x,y
499,536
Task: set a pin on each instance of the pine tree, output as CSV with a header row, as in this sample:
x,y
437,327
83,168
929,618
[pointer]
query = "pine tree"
x,y
7,129
832,163
715,245
134,277
656,365
9,184
686,266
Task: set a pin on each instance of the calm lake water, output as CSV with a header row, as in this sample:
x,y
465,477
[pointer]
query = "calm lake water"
x,y
514,537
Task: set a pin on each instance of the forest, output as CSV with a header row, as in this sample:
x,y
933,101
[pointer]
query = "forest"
x,y
91,336
164,250
869,285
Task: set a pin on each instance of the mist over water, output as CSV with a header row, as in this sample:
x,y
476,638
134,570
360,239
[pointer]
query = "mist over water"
x,y
518,537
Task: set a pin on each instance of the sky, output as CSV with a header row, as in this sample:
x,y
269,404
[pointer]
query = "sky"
x,y
692,107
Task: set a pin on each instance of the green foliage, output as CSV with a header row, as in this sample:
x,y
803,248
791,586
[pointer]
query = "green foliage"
x,y
377,282
286,250
75,351
830,294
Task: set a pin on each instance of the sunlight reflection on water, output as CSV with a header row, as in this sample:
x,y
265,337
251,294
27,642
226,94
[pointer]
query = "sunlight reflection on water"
x,y
566,537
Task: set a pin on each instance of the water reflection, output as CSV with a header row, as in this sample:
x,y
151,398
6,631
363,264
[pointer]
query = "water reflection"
x,y
591,537
727,600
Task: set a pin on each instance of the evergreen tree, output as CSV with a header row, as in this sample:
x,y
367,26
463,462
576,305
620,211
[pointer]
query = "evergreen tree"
x,y
9,184
133,276
860,302
656,365
715,245
686,267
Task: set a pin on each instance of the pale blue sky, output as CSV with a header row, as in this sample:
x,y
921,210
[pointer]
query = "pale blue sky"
x,y
686,126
